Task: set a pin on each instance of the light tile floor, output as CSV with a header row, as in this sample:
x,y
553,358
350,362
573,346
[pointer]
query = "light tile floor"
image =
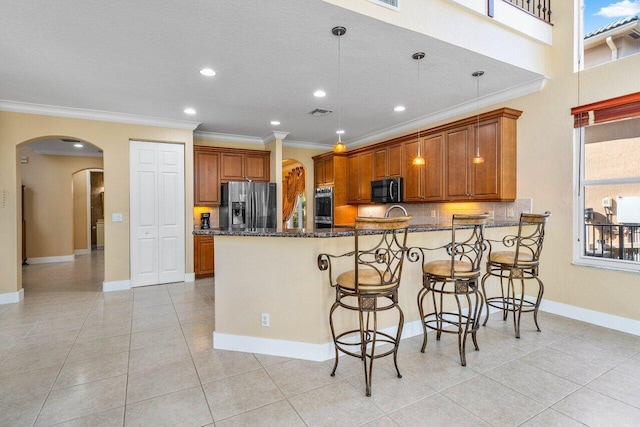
x,y
71,355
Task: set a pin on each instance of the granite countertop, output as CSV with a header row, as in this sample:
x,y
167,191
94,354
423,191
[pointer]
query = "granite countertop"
x,y
338,231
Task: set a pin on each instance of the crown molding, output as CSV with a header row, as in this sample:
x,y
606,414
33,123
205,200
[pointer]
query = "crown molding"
x,y
472,106
105,116
272,136
228,137
304,144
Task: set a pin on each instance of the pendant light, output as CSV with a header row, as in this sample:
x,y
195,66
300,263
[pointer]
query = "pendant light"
x,y
339,146
418,160
477,159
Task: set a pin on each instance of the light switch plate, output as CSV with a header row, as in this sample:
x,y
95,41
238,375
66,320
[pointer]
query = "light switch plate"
x,y
116,217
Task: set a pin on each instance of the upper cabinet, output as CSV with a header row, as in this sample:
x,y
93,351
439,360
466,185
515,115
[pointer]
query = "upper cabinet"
x,y
360,172
424,183
245,164
387,162
495,178
324,170
215,165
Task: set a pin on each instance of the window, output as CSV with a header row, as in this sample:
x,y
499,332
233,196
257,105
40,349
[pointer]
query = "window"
x,y
607,200
610,30
391,4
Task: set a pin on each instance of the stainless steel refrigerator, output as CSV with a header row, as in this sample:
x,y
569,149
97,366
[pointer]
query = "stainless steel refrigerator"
x,y
248,205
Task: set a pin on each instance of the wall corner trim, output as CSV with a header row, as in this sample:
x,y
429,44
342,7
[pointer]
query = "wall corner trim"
x,y
117,285
12,297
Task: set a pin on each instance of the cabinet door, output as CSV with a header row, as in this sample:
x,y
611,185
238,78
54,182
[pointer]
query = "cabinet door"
x,y
318,172
231,167
203,256
380,163
433,151
366,175
485,175
457,162
256,167
394,161
328,170
353,177
413,175
207,182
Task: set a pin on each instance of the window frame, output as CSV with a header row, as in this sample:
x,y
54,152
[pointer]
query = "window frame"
x,y
610,110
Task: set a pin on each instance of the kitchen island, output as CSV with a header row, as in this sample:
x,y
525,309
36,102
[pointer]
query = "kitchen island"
x,y
269,276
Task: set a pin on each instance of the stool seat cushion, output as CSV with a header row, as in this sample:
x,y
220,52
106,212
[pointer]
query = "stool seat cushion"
x,y
508,258
370,280
442,268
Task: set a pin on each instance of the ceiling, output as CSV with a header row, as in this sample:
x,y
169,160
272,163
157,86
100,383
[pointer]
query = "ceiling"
x,y
140,58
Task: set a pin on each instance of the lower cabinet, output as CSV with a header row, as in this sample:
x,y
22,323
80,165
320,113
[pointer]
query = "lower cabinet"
x,y
203,256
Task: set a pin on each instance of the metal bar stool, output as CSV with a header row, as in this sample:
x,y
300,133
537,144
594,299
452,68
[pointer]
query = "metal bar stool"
x,y
455,277
371,287
519,264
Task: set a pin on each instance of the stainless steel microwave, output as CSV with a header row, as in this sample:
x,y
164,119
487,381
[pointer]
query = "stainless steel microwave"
x,y
387,190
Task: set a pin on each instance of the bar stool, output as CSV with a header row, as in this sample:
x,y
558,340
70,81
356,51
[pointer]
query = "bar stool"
x,y
519,264
371,287
453,283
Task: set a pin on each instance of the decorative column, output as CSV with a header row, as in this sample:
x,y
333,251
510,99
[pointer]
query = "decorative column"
x,y
273,143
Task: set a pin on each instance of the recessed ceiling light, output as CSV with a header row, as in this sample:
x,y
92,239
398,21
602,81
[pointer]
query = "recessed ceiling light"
x,y
208,72
275,122
189,111
399,108
319,93
78,145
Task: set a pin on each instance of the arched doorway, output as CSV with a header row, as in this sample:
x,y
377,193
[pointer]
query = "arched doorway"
x,y
51,171
294,194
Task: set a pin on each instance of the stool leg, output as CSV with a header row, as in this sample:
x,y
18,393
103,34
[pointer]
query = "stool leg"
x,y
484,294
397,343
505,302
538,301
438,309
477,312
421,294
462,333
363,350
333,334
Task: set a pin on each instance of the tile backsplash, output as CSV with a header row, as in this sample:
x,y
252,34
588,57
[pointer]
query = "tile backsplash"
x,y
433,213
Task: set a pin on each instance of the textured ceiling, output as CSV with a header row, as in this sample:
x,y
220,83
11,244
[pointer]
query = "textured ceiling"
x,y
139,57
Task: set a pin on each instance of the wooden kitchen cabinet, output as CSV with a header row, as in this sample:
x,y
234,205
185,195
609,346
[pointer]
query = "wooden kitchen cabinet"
x,y
424,183
387,162
241,164
207,180
203,256
360,173
495,178
323,170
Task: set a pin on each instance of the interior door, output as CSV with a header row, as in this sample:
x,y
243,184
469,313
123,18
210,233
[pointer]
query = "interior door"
x,y
156,213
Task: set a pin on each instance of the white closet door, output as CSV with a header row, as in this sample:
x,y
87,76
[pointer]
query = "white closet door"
x,y
157,213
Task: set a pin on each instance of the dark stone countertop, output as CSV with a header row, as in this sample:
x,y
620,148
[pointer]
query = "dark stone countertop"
x,y
338,231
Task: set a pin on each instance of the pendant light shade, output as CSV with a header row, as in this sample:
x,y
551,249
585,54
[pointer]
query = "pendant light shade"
x,y
418,160
477,159
339,146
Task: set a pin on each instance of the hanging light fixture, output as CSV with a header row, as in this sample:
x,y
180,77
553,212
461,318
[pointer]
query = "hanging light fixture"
x,y
477,159
339,146
418,160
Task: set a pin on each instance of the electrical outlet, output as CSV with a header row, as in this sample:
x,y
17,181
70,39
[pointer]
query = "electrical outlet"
x,y
116,217
264,319
510,213
433,213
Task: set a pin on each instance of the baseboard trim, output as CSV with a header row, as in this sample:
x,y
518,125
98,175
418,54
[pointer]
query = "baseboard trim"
x,y
12,297
294,349
48,259
116,285
610,321
190,277
82,252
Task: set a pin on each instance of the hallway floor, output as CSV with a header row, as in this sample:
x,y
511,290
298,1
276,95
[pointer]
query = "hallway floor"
x,y
71,355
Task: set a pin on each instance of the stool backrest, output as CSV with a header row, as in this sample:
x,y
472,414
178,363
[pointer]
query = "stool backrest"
x,y
531,236
383,252
467,241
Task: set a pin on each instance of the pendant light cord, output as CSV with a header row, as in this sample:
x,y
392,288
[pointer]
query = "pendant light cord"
x,y
339,88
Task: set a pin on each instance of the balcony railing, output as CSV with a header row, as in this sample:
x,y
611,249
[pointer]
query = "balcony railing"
x,y
541,9
621,241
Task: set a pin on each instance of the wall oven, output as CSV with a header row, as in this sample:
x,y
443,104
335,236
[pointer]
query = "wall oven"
x,y
324,207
